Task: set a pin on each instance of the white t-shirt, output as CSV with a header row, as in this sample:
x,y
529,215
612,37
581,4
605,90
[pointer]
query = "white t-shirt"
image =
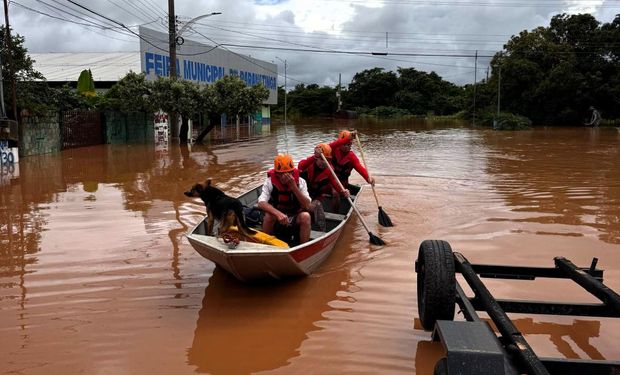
x,y
268,188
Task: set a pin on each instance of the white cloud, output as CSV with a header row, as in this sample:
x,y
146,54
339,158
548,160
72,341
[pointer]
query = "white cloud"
x,y
412,26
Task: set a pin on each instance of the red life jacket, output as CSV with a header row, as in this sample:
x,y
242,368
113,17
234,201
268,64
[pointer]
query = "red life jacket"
x,y
282,198
318,181
342,166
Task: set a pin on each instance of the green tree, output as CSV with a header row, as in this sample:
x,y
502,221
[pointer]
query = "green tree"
x,y
251,99
23,73
313,100
234,98
131,94
173,95
177,96
421,93
553,74
86,85
372,88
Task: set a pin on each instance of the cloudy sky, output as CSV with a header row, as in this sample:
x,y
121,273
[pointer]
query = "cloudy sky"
x,y
319,39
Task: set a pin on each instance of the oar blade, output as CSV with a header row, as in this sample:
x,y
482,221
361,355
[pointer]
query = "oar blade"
x,y
384,219
375,240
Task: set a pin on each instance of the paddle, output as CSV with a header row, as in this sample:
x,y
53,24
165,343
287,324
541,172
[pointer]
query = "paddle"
x,y
373,239
384,219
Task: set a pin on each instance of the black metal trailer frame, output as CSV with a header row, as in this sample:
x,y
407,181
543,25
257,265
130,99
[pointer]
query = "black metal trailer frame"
x,y
471,346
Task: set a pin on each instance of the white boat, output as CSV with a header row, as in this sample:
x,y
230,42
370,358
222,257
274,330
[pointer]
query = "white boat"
x,y
251,261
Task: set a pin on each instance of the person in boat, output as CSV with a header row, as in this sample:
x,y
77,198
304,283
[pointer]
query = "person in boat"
x,y
596,117
284,200
344,160
322,186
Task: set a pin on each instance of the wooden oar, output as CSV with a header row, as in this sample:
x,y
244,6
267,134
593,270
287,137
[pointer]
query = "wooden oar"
x,y
384,219
373,239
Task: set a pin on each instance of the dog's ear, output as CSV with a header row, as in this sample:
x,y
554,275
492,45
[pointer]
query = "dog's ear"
x,y
208,182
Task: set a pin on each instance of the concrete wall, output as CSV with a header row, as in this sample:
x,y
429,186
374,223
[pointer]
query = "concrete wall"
x,y
40,135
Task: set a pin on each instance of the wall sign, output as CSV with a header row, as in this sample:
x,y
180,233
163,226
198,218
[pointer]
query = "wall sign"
x,y
9,167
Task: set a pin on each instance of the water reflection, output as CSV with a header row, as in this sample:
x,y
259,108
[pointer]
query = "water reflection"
x,y
560,176
242,329
151,182
579,332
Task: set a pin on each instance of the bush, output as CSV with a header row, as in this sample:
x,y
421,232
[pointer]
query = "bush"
x,y
386,112
505,121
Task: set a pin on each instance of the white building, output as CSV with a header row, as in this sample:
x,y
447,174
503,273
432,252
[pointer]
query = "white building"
x,y
196,62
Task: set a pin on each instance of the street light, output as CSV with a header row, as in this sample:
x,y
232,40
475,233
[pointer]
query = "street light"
x,y
284,61
173,40
176,38
179,38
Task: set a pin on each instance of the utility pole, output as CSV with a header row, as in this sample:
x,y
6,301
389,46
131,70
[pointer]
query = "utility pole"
x,y
172,39
499,81
284,61
285,94
338,93
9,47
475,80
173,122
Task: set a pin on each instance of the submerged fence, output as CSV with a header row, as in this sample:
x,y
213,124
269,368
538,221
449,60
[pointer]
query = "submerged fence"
x,y
80,129
53,132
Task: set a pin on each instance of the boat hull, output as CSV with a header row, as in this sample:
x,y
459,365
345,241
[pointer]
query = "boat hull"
x,y
252,261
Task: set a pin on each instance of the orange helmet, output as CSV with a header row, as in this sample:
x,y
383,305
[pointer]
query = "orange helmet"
x,y
345,134
325,149
283,163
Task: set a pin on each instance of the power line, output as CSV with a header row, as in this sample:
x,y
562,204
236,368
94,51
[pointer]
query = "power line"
x,y
504,4
138,16
118,23
367,53
248,60
67,20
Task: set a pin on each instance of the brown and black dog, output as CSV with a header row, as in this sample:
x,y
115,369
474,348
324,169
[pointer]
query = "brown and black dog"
x,y
228,211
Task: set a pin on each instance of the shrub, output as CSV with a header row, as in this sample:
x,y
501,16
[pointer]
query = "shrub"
x,y
387,112
505,121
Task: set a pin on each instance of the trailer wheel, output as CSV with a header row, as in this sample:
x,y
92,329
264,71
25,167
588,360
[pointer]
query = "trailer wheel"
x,y
441,367
436,283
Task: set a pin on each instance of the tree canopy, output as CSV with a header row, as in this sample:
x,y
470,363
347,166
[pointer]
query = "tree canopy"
x,y
554,74
228,95
28,91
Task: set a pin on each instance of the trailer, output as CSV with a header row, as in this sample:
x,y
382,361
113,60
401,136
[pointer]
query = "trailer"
x,y
472,346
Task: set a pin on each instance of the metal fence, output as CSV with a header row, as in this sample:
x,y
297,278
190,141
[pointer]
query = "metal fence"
x,y
81,128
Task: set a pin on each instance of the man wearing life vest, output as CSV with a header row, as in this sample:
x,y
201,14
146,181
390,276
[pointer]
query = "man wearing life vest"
x,y
344,160
283,200
321,183
322,186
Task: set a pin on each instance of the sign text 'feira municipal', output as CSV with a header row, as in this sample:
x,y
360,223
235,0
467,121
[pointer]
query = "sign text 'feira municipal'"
x,y
202,72
205,64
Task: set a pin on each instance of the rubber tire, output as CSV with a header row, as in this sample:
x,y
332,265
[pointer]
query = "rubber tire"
x,y
441,367
436,283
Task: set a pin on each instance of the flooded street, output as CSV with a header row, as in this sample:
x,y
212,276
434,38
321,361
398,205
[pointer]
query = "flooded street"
x,y
96,275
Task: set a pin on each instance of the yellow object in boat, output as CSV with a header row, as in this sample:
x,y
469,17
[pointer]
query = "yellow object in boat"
x,y
264,238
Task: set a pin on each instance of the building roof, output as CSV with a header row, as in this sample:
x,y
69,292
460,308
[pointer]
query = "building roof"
x,y
105,66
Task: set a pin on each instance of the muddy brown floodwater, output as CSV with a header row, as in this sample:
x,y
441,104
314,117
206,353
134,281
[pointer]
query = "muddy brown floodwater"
x,y
96,276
